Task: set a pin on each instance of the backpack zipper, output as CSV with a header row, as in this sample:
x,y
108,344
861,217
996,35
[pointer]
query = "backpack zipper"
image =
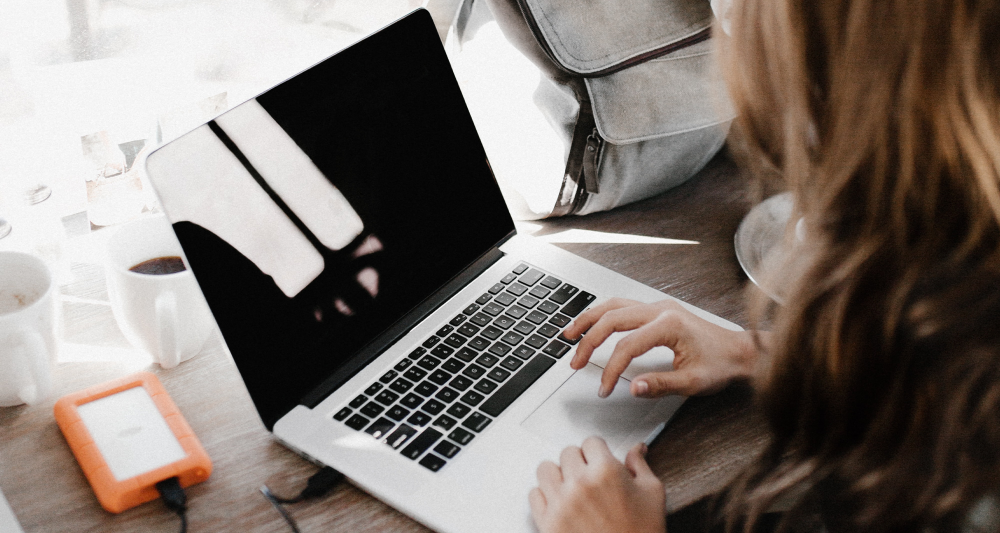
x,y
696,38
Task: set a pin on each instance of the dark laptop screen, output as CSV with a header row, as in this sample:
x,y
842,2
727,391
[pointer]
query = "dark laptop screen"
x,y
317,215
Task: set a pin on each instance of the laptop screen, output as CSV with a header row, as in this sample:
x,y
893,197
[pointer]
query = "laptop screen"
x,y
318,214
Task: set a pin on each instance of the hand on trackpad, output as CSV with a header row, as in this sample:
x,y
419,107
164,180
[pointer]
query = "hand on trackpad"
x,y
575,412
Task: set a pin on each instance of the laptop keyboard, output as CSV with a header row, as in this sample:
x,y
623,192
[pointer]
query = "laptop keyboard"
x,y
441,395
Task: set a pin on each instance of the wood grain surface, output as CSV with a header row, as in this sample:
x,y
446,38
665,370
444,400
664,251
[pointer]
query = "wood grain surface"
x,y
709,440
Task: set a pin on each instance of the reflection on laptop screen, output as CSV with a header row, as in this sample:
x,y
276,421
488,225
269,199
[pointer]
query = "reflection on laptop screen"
x,y
317,215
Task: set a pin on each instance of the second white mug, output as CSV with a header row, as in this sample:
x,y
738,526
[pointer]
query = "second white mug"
x,y
163,313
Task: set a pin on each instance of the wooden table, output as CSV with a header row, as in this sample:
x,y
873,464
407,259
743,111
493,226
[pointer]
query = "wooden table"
x,y
709,440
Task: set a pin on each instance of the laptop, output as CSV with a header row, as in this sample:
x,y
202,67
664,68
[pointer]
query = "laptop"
x,y
387,319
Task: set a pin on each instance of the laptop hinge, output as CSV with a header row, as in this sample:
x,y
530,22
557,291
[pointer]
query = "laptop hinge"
x,y
403,326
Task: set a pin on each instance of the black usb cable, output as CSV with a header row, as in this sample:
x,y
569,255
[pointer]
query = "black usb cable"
x,y
174,498
319,484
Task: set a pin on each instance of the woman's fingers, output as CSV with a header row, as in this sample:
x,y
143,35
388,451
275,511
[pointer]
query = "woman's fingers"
x,y
571,461
655,384
636,463
538,504
661,331
612,319
596,452
549,478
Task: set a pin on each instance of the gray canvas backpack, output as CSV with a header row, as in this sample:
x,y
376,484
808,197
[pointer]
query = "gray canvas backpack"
x,y
631,86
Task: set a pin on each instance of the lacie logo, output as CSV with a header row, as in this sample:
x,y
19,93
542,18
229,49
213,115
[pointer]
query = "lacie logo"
x,y
129,432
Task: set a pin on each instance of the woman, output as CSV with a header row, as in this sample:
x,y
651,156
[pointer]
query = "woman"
x,y
881,377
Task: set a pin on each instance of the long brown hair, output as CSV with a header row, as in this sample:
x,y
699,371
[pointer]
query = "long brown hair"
x,y
882,385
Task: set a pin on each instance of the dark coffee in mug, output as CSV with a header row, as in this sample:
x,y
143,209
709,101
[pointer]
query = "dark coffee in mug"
x,y
160,265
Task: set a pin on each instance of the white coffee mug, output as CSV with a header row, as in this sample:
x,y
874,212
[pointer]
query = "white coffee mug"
x,y
164,314
27,329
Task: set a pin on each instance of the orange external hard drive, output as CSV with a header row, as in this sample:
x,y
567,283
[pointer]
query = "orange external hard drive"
x,y
128,436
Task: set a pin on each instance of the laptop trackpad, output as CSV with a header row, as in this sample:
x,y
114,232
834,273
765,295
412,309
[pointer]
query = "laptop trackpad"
x,y
575,412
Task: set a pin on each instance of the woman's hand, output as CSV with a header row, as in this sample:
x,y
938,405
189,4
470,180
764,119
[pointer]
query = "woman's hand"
x,y
589,490
707,357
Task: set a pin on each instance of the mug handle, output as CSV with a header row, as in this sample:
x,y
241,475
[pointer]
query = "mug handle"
x,y
35,357
168,330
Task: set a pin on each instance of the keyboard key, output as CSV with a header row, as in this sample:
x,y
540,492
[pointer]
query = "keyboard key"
x,y
415,354
479,343
492,333
415,374
447,449
342,414
578,304
442,351
446,422
512,338
516,385
520,268
548,307
411,401
421,444
419,419
465,354
401,385
425,388
372,409
457,320
486,386
487,360
548,330
484,298
495,288
447,395
540,292
477,422
400,436
516,311
402,365
461,436
468,330
511,363
388,376
472,308
492,309
505,299
397,412
432,407
459,410
564,293
481,319
559,320
536,318
431,341
536,341
524,352
508,279
359,401
472,398
460,383
504,322
474,371
452,365
358,422
432,462
380,428
524,327
429,362
455,340
445,330
528,302
571,342
500,349
517,289
551,282
386,397
498,374
556,349
373,388
439,376
532,277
